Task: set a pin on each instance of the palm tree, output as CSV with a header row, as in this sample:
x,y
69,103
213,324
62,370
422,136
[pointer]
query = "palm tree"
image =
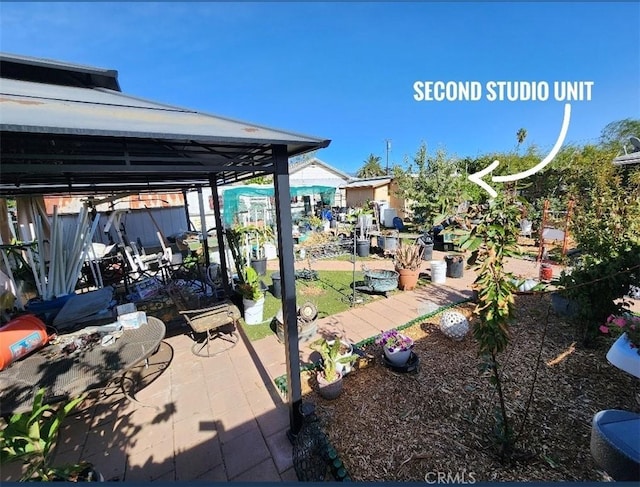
x,y
371,168
521,135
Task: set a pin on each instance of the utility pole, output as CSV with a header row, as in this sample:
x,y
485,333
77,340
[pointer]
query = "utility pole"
x,y
388,142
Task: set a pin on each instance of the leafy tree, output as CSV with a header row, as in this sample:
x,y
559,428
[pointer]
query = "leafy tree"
x,y
371,168
435,185
490,242
268,179
616,134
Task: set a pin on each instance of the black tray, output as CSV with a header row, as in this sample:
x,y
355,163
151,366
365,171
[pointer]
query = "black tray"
x,y
411,366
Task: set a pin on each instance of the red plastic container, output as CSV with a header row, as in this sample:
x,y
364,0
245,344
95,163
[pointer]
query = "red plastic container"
x,y
20,337
546,272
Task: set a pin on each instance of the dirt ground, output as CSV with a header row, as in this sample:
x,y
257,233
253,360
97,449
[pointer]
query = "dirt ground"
x,y
389,426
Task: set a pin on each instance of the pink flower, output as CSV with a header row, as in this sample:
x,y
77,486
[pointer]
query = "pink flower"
x,y
621,322
604,329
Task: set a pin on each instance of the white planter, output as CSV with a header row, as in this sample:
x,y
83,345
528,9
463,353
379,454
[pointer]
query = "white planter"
x,y
253,311
624,357
344,369
398,357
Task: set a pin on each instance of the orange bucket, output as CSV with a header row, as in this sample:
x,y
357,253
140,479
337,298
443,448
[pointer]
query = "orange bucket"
x,y
20,337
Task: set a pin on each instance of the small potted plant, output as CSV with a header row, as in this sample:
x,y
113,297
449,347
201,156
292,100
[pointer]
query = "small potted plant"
x,y
328,377
31,438
407,261
396,346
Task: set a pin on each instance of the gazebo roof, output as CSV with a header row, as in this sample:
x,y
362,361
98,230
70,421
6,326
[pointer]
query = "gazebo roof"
x,y
69,128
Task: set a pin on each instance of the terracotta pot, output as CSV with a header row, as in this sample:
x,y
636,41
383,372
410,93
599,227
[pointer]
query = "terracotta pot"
x,y
408,279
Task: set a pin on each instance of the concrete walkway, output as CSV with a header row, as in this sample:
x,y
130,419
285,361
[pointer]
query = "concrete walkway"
x,y
222,418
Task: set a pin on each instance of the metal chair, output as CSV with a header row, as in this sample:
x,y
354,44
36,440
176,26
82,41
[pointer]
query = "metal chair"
x,y
208,322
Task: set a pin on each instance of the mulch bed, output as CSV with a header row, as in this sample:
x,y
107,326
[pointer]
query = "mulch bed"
x,y
389,426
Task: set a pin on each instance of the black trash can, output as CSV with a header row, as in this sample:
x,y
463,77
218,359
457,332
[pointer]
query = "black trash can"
x,y
362,248
426,241
277,285
455,265
427,251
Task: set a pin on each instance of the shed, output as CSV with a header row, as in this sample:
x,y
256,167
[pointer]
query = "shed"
x,y
380,189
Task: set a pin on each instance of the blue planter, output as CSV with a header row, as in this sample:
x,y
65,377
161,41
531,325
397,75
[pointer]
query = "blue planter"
x,y
563,306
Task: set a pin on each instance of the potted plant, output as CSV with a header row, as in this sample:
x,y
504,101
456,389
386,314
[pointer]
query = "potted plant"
x,y
407,261
31,438
259,236
329,377
315,222
363,221
625,351
247,245
396,346
252,296
345,351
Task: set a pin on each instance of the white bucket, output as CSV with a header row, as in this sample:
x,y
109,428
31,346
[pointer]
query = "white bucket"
x,y
438,271
253,311
270,251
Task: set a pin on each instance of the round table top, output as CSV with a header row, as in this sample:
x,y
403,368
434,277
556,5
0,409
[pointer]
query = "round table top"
x,y
67,376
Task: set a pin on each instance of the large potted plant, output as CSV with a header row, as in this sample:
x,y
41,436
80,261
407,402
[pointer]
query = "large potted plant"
x,y
407,261
252,296
31,438
329,377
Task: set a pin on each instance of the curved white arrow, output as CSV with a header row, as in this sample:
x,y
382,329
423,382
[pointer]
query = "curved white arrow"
x,y
546,160
476,178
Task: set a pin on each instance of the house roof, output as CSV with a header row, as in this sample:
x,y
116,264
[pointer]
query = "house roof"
x,y
369,183
69,128
298,166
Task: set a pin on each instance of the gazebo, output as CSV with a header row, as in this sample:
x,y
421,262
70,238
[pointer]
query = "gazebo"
x,y
69,129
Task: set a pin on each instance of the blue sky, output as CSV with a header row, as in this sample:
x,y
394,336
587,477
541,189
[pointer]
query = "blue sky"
x,y
345,71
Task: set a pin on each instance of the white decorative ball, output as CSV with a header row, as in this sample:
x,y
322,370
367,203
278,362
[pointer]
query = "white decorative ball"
x,y
454,325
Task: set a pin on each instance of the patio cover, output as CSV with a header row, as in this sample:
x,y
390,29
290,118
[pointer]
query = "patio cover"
x,y
66,128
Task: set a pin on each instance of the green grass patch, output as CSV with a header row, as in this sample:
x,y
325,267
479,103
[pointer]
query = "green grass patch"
x,y
331,293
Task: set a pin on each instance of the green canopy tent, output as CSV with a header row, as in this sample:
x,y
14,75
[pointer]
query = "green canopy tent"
x,y
233,202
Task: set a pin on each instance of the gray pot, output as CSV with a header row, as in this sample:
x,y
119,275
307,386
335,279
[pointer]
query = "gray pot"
x,y
329,390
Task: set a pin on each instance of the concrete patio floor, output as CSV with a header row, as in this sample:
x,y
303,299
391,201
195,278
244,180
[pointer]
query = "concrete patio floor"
x,y
222,418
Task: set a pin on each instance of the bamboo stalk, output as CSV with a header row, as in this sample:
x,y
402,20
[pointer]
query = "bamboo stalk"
x,y
79,259
30,260
12,281
41,256
53,256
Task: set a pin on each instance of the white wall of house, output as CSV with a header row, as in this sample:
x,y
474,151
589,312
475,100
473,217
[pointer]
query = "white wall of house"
x,y
318,175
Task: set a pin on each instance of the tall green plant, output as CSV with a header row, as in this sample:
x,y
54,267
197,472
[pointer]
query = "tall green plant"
x,y
330,353
490,242
435,185
31,438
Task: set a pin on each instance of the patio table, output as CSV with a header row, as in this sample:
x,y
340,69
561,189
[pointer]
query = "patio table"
x,y
67,376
